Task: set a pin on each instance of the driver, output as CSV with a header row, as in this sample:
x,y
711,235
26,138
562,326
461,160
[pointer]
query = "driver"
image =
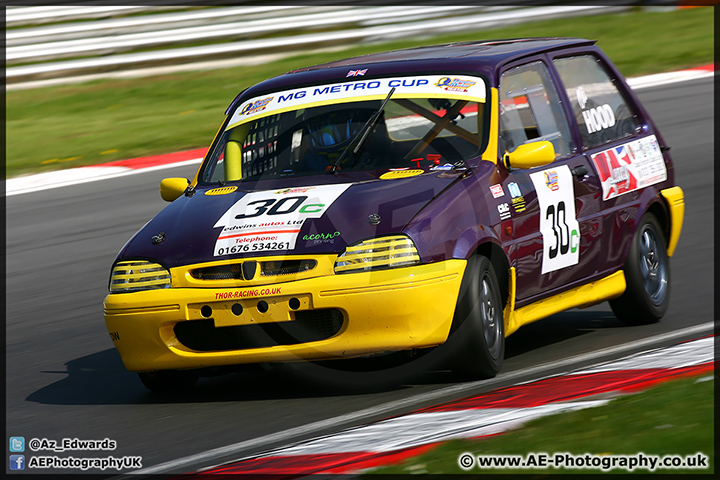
x,y
329,130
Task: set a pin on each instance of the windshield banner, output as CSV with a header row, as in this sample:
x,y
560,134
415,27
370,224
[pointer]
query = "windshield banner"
x,y
462,87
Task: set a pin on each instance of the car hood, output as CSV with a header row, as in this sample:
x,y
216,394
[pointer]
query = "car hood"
x,y
312,215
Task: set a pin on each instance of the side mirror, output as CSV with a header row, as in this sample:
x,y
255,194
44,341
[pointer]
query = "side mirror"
x,y
529,155
172,188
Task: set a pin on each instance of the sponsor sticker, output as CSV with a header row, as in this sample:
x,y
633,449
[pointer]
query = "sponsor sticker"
x,y
630,167
255,106
518,201
497,190
454,84
295,190
357,73
447,166
519,204
504,211
271,220
551,180
599,118
558,221
316,238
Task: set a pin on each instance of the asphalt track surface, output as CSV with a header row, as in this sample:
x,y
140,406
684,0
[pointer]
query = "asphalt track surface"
x,y
65,379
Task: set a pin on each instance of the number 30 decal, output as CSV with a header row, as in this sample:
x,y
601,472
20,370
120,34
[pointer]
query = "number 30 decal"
x,y
271,220
280,207
558,223
564,239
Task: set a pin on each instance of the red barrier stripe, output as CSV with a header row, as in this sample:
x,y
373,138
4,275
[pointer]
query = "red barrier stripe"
x,y
557,389
571,387
155,160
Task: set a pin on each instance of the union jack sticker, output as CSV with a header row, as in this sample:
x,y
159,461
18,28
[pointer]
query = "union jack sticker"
x,y
356,73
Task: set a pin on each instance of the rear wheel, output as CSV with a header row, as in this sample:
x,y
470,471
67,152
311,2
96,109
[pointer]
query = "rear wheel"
x,y
480,337
647,273
167,380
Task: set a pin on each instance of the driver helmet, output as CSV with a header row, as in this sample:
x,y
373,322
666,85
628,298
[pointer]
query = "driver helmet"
x,y
331,129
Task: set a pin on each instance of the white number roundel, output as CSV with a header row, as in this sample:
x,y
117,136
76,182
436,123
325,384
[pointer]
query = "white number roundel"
x,y
558,222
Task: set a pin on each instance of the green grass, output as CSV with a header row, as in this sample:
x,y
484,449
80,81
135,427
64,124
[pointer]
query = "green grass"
x,y
67,126
674,418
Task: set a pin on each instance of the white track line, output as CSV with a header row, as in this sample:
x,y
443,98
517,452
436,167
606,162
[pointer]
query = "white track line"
x,y
638,83
75,176
461,420
386,408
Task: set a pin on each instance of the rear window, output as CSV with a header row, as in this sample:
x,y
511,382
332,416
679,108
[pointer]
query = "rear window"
x,y
602,113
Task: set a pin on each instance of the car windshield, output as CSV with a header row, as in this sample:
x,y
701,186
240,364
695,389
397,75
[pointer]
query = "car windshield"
x,y
427,120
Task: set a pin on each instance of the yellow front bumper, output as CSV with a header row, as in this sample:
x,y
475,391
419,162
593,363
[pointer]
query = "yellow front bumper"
x,y
382,311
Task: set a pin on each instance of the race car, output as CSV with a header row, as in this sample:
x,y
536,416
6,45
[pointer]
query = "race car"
x,y
431,198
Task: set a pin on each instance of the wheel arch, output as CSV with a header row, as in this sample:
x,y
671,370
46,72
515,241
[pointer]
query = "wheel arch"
x,y
654,204
494,252
660,211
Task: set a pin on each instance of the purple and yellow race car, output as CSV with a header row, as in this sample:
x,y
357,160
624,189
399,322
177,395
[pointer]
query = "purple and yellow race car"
x,y
402,201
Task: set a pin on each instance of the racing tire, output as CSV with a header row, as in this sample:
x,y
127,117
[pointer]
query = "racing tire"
x,y
480,335
647,274
168,380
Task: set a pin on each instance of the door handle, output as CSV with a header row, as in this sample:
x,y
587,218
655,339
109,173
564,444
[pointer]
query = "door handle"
x,y
579,171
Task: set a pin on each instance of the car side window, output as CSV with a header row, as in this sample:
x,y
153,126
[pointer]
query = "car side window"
x,y
530,110
602,114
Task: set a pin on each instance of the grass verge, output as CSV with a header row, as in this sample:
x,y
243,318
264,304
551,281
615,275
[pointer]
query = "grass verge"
x,y
74,125
673,418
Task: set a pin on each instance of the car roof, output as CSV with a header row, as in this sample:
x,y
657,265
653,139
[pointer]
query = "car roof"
x,y
482,57
483,51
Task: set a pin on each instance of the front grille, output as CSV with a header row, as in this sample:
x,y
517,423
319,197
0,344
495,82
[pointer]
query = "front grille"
x,y
308,326
285,267
267,269
222,272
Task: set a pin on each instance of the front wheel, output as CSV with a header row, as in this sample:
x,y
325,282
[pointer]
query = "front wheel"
x,y
647,273
480,336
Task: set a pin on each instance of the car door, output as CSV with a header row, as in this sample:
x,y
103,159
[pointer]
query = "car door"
x,y
551,214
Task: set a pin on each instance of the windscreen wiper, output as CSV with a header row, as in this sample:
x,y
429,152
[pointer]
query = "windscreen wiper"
x,y
362,135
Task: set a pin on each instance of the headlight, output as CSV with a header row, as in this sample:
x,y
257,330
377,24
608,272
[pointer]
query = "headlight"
x,y
376,254
137,275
